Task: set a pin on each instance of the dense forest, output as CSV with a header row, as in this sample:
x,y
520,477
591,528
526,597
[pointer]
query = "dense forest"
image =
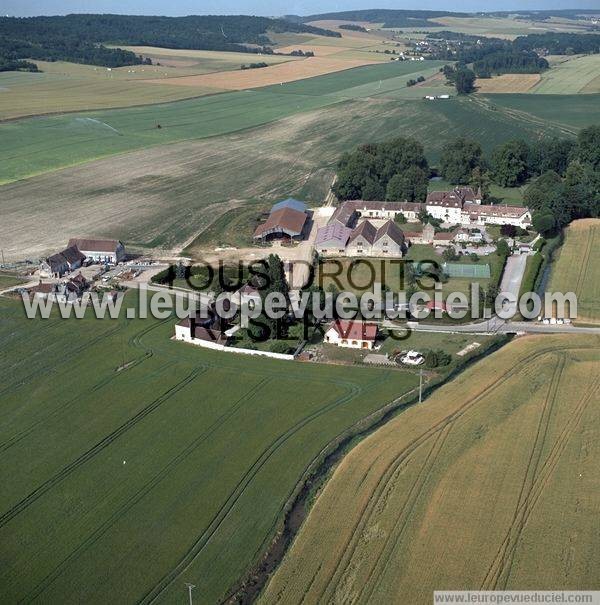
x,y
563,175
559,44
393,170
352,27
389,17
488,55
83,38
17,65
510,62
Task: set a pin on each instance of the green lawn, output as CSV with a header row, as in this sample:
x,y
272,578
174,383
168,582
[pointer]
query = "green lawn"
x,y
8,280
175,469
424,341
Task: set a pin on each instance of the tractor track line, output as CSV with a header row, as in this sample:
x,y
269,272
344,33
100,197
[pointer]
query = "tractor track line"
x,y
511,539
549,466
152,595
98,447
351,542
144,490
395,534
531,468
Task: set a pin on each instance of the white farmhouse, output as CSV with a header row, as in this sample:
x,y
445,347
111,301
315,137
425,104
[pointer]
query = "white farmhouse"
x,y
110,251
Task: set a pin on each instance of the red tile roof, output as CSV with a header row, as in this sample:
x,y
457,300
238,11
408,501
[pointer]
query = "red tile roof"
x,y
355,329
95,245
286,220
366,230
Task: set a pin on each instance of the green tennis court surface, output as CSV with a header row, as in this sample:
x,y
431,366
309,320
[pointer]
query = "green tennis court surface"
x,y
460,270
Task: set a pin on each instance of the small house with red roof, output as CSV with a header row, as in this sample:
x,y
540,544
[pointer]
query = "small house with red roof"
x,y
352,333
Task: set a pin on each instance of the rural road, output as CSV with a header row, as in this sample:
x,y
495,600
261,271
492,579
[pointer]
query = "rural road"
x,y
495,325
512,277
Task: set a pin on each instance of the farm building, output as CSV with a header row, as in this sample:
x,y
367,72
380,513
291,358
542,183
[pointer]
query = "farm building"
x,y
286,220
110,251
477,215
63,262
348,212
332,239
200,331
462,206
354,334
447,205
69,291
425,237
368,240
464,236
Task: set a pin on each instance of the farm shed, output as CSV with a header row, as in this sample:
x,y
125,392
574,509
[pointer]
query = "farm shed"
x,y
285,221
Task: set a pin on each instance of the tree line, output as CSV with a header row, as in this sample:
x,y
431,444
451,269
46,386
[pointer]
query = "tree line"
x,y
488,56
389,17
560,44
82,38
563,174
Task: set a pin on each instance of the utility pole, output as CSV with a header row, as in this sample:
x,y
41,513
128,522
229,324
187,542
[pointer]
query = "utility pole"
x,y
190,586
420,385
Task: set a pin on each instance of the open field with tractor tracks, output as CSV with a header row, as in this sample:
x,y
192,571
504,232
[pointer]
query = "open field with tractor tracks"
x,y
466,490
577,268
117,441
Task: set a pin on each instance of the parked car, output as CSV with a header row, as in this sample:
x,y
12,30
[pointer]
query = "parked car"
x,y
412,358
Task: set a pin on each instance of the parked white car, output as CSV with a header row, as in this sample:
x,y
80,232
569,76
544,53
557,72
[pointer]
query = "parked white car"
x,y
412,358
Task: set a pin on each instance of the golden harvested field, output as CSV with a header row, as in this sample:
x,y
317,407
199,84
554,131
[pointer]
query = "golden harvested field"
x,y
508,83
276,74
508,28
491,483
577,268
181,62
66,87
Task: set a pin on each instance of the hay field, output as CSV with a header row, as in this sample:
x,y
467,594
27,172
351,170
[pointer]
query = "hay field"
x,y
34,146
507,27
176,62
67,87
466,490
516,83
276,74
577,268
185,455
577,75
164,197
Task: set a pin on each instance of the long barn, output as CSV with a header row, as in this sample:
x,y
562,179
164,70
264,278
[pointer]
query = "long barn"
x,y
286,220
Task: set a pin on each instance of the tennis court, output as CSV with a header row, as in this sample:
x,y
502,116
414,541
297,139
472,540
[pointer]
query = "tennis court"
x,y
479,271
